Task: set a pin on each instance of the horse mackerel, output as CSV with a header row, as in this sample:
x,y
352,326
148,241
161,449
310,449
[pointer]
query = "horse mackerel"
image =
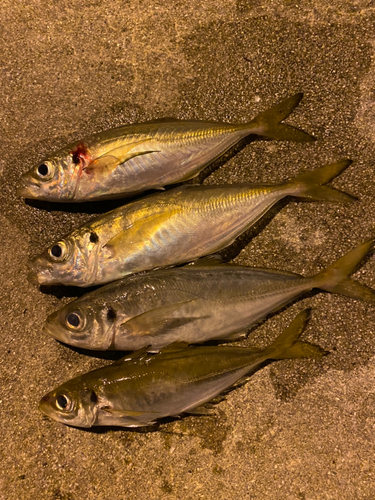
x,y
194,303
133,158
171,228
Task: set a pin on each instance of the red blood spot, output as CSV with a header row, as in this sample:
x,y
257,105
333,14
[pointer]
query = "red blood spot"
x,y
80,154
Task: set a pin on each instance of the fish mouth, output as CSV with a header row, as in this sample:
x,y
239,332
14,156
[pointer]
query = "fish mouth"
x,y
32,276
45,406
39,274
27,189
52,330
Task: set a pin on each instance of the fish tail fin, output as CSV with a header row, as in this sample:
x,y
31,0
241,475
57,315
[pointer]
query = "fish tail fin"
x,y
268,124
287,345
335,278
310,184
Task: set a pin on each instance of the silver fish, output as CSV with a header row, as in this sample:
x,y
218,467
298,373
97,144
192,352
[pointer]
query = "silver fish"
x,y
133,158
171,228
142,388
194,303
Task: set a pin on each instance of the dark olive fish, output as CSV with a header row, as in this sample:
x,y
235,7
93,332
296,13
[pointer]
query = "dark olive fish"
x,y
141,388
171,228
193,304
134,158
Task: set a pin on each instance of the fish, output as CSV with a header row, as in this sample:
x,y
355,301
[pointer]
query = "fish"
x,y
169,228
134,158
142,388
193,304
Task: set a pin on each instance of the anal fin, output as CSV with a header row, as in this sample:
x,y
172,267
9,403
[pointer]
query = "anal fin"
x,y
207,261
132,418
235,336
134,356
200,410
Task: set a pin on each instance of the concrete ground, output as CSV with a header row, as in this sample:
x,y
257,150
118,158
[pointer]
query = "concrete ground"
x,y
299,430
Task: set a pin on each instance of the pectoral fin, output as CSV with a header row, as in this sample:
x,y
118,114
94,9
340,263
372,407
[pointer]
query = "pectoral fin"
x,y
175,346
127,413
156,221
121,413
153,321
117,156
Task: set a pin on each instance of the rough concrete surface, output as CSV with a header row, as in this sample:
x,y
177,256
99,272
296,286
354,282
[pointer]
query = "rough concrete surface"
x,y
300,430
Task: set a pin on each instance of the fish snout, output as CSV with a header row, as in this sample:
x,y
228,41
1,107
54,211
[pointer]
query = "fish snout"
x,y
53,328
44,405
39,272
45,399
32,276
27,188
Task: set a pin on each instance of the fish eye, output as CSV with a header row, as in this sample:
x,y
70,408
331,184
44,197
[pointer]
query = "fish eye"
x,y
58,252
45,171
74,321
63,402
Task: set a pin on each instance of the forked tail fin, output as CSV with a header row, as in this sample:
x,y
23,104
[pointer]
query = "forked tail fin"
x,y
268,124
287,345
335,278
310,184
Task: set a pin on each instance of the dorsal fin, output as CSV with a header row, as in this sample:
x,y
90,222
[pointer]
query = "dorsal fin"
x,y
174,347
164,119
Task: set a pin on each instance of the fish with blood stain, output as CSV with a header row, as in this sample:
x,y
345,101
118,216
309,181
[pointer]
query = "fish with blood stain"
x,y
134,158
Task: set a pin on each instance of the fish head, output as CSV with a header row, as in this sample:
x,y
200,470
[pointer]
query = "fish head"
x,y
57,177
51,180
72,403
82,324
71,261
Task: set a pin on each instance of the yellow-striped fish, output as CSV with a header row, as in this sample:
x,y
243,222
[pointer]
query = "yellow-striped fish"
x,y
133,158
170,228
